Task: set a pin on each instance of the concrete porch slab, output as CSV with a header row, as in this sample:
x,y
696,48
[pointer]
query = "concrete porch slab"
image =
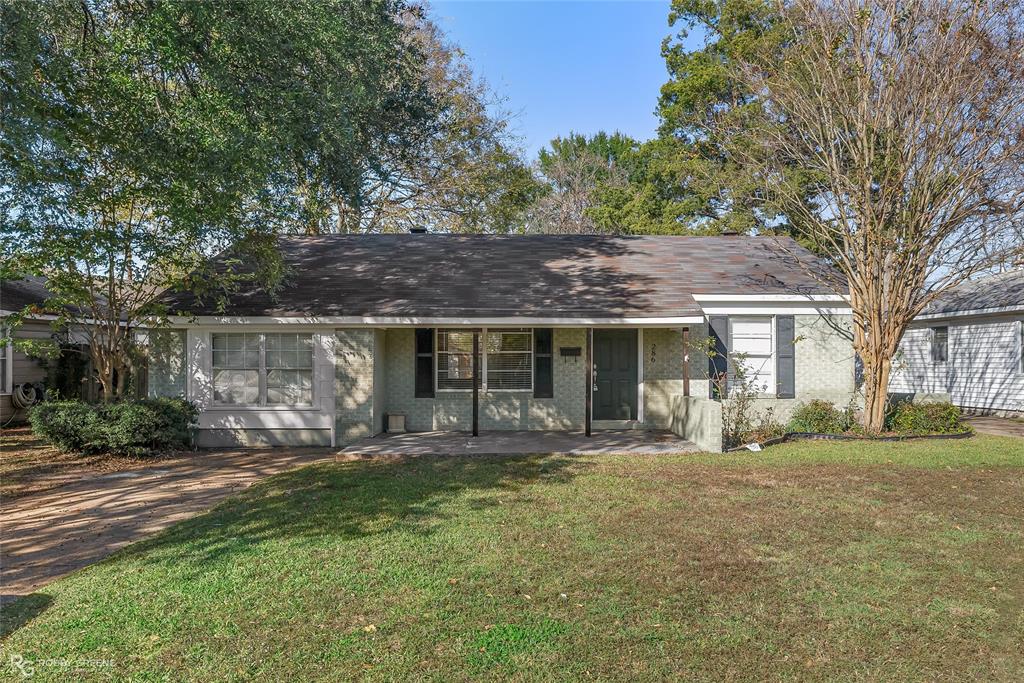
x,y
521,442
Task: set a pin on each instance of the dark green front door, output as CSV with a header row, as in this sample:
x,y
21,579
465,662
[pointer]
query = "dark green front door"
x,y
615,364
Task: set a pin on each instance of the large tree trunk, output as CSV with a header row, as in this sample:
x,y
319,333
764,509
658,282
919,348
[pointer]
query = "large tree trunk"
x,y
876,392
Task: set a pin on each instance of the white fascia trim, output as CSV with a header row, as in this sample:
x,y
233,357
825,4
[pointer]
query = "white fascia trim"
x,y
766,298
362,321
775,309
971,313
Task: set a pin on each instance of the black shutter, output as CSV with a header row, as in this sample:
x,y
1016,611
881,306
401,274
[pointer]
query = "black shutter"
x,y
424,363
785,358
543,363
718,362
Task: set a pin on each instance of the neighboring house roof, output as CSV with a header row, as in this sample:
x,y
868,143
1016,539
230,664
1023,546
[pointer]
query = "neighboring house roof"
x,y
1001,292
15,295
551,276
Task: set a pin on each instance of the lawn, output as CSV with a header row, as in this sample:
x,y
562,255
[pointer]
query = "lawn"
x,y
819,561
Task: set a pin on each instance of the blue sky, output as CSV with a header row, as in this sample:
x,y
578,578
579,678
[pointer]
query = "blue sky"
x,y
565,66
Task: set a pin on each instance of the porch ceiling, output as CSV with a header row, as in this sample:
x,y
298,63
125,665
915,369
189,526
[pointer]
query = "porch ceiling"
x,y
521,443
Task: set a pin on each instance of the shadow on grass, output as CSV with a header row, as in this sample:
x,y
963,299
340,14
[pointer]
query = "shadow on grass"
x,y
347,500
16,611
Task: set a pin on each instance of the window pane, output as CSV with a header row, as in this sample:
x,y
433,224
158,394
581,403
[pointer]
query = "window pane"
x,y
509,359
289,387
236,362
236,386
509,340
455,359
755,346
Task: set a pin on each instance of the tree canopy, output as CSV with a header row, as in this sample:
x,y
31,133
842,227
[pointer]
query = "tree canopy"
x,y
139,138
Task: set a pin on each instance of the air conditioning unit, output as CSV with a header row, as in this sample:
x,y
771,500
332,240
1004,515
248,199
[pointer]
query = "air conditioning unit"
x,y
394,423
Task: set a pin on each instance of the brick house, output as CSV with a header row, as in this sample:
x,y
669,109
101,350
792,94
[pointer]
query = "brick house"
x,y
371,326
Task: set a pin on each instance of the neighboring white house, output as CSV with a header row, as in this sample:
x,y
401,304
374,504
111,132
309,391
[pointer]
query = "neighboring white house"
x,y
969,344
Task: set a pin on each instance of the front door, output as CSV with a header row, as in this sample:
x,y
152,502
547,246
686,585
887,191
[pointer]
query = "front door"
x,y
615,370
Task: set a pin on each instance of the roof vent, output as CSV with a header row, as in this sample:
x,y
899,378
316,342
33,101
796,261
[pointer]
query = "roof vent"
x,y
417,231
729,232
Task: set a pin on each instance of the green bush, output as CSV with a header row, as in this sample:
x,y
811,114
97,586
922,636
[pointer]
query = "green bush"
x,y
122,428
72,426
821,417
925,418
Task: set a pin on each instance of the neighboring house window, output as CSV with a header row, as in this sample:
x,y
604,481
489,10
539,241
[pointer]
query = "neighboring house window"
x,y
5,359
940,344
506,359
1020,343
509,360
752,346
262,368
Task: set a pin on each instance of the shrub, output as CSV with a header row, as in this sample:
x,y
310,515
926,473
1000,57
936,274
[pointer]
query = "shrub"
x,y
72,426
925,418
139,427
123,428
821,417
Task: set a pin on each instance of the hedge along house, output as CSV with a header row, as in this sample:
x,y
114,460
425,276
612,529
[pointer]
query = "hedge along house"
x,y
570,332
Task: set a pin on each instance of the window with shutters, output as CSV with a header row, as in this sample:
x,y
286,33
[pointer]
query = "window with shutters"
x,y
506,359
752,349
940,344
255,368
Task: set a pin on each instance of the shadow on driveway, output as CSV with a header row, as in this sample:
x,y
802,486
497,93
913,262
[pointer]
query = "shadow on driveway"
x,y
56,532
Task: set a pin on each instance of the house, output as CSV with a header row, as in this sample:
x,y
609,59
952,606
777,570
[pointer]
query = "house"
x,y
16,368
968,345
368,326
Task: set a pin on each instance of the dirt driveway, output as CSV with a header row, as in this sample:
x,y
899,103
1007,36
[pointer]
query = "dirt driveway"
x,y
49,534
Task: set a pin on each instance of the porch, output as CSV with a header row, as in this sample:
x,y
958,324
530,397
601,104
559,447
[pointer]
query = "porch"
x,y
640,442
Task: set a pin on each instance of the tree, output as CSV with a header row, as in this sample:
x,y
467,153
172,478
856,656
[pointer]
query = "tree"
x,y
460,173
578,171
137,139
909,117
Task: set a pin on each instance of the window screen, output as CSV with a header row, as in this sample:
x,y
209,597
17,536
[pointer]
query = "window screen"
x,y
509,359
262,368
752,349
289,366
236,368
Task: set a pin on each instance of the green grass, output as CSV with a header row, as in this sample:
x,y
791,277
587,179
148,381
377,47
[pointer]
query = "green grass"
x,y
820,561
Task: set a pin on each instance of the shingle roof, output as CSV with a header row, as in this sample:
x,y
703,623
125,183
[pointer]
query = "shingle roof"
x,y
17,294
537,275
1005,290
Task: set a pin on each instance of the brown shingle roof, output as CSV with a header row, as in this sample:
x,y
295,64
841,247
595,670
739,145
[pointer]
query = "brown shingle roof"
x,y
552,276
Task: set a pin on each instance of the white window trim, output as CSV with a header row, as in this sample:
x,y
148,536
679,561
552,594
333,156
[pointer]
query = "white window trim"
x,y
262,376
483,362
773,385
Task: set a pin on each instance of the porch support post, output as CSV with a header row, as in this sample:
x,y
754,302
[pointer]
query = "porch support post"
x,y
476,383
589,409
